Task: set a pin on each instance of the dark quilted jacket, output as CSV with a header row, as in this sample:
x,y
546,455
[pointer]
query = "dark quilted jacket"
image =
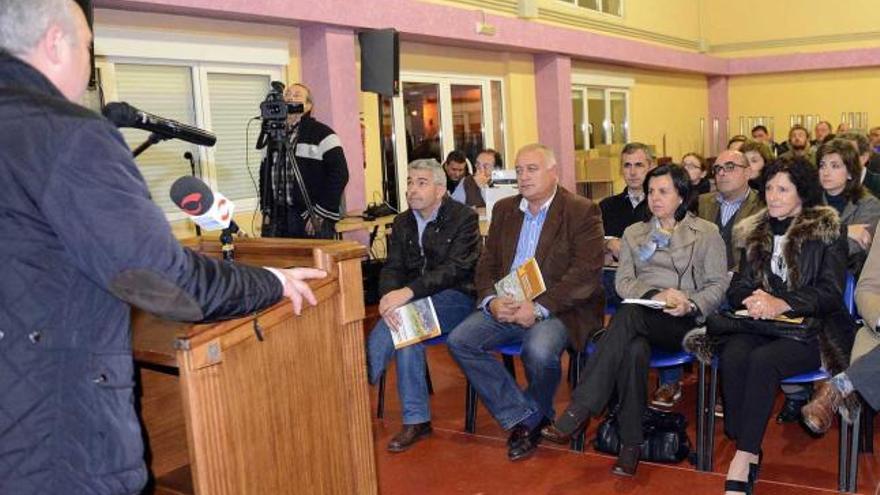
x,y
82,240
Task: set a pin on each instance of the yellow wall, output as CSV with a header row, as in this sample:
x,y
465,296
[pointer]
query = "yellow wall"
x,y
661,103
646,20
785,27
827,93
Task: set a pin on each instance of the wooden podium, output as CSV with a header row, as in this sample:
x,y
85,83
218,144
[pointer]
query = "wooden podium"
x,y
227,413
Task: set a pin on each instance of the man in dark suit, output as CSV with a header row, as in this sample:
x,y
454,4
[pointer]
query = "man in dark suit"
x,y
563,232
628,207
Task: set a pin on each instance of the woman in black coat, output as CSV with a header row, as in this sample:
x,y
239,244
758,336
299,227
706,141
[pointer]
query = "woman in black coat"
x,y
793,264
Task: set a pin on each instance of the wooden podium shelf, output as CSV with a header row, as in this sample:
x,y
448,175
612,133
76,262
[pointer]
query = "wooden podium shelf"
x,y
226,413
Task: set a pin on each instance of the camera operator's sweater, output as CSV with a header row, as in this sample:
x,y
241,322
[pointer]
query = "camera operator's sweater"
x,y
324,170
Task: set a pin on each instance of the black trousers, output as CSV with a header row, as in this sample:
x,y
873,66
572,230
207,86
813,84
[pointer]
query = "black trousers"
x,y
751,368
621,362
864,373
295,227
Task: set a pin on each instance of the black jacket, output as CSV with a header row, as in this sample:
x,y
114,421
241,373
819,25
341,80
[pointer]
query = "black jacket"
x,y
81,240
618,213
324,171
816,258
451,246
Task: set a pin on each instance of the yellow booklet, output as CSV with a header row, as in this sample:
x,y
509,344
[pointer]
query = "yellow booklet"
x,y
418,322
525,283
781,318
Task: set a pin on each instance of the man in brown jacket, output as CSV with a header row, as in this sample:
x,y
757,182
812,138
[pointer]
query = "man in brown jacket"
x,y
563,232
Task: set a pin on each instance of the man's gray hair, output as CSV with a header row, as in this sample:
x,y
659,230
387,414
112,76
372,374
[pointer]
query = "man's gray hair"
x,y
24,22
630,148
546,152
432,165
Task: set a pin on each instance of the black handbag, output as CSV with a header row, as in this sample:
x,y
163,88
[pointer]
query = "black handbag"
x,y
665,433
729,323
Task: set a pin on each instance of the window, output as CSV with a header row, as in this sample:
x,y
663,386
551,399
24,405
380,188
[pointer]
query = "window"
x,y
222,99
601,116
613,7
436,114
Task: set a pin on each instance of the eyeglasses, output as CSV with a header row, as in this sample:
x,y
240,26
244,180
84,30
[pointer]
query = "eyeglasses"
x,y
727,167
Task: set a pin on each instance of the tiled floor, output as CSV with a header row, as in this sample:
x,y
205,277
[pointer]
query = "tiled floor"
x,y
454,462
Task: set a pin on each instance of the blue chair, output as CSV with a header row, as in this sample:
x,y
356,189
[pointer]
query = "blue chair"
x,y
847,474
508,352
380,406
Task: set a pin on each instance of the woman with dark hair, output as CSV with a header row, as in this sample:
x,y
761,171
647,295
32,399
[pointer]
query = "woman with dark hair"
x,y
698,170
792,264
675,259
758,155
840,174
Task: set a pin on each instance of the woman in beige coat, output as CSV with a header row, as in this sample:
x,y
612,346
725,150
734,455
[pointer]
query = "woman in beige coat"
x,y
674,259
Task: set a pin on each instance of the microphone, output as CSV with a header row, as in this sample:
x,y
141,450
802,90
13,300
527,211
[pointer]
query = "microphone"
x,y
208,209
124,115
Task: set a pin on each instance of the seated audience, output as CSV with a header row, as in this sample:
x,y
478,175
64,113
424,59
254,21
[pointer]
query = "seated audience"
x,y
628,207
736,142
675,258
840,174
870,179
758,155
563,232
799,143
793,264
762,135
469,190
733,201
456,168
432,252
864,369
697,168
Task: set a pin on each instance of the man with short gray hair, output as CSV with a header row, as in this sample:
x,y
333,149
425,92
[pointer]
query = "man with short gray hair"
x,y
432,252
83,242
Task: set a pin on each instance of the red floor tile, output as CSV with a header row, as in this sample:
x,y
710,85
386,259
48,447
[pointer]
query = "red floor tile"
x,y
454,462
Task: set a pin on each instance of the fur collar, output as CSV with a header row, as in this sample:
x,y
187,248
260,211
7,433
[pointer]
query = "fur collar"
x,y
820,223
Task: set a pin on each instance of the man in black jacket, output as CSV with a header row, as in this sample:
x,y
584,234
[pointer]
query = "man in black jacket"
x,y
432,252
82,241
320,160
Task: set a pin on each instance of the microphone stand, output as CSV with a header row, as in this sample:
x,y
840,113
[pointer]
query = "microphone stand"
x,y
226,245
192,168
153,139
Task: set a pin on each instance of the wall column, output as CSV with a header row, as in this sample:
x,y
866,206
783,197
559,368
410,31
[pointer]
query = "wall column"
x,y
555,120
718,109
329,69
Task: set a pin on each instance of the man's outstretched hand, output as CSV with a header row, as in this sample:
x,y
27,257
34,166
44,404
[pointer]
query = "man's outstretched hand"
x,y
296,288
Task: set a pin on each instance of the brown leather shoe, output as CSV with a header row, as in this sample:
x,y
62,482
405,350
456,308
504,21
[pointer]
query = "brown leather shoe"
x,y
627,460
409,435
550,432
819,413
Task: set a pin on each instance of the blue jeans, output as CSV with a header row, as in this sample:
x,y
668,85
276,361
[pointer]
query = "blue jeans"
x,y
471,345
452,307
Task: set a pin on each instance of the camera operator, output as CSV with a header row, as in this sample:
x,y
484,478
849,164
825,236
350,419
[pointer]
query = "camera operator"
x,y
303,180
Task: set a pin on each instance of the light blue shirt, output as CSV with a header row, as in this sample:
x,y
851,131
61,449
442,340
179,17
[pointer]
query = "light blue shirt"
x,y
527,244
458,194
729,208
421,223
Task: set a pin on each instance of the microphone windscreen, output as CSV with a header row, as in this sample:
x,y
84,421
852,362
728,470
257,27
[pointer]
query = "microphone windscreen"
x,y
192,195
120,113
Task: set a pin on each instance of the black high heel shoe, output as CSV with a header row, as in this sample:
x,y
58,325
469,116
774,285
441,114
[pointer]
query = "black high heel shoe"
x,y
569,423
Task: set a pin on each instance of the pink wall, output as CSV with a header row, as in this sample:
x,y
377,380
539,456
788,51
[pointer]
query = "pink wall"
x,y
718,109
553,97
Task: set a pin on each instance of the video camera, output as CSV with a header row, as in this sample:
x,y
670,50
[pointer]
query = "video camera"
x,y
274,108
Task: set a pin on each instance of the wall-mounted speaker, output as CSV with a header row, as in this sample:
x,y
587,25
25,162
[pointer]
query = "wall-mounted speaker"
x,y
380,61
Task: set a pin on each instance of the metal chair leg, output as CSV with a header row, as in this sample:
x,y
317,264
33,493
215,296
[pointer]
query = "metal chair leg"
x,y
509,364
428,378
709,453
701,418
380,407
470,408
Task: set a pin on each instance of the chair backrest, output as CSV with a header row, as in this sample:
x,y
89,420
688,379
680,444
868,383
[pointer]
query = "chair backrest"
x,y
849,294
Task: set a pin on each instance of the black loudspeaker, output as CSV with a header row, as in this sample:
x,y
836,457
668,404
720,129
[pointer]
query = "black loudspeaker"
x,y
89,11
380,61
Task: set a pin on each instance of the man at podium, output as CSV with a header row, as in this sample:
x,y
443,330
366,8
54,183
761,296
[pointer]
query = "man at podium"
x,y
82,241
432,252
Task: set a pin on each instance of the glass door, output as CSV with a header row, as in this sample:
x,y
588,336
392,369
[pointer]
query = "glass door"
x,y
439,114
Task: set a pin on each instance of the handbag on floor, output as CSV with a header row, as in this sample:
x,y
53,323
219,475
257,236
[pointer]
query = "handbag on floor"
x,y
665,433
